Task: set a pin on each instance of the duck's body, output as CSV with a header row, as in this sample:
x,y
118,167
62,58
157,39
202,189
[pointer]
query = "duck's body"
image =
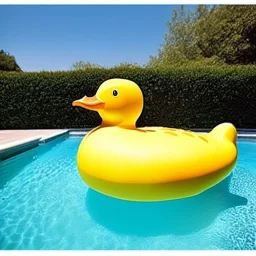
x,y
154,163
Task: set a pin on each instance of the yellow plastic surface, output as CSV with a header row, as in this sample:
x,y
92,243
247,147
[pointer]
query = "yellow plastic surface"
x,y
149,163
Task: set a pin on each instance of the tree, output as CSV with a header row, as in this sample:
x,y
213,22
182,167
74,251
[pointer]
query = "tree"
x,y
210,35
127,65
228,31
8,62
180,41
80,65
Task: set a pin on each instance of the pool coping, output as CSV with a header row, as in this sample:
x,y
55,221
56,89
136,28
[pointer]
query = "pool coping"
x,y
53,136
241,133
14,148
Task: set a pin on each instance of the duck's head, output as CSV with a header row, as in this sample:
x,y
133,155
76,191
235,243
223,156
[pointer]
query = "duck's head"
x,y
118,101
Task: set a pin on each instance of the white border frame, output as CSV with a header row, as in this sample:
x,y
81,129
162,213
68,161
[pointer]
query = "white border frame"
x,y
101,2
111,253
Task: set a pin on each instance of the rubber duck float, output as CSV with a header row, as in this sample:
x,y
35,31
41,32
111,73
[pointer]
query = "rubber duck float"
x,y
149,163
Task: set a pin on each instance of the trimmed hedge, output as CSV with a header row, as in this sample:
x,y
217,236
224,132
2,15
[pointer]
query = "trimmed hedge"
x,y
180,97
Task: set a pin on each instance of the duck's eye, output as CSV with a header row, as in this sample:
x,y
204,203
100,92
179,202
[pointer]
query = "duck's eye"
x,y
115,92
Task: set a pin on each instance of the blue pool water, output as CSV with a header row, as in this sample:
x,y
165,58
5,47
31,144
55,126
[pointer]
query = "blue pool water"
x,y
44,204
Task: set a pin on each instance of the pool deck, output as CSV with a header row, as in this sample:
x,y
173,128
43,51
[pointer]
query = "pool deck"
x,y
13,142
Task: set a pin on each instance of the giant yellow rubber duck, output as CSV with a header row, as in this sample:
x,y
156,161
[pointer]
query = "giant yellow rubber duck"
x,y
149,163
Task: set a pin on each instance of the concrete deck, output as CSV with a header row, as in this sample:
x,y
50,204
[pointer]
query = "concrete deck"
x,y
13,142
9,136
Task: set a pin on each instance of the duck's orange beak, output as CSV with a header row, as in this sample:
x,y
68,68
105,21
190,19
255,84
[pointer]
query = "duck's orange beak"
x,y
91,103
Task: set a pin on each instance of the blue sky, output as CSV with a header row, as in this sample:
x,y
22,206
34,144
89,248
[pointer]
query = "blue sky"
x,y
52,37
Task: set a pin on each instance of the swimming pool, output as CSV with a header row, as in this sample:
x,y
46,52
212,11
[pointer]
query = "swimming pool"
x,y
44,204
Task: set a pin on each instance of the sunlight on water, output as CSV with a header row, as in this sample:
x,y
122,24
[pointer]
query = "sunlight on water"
x,y
44,204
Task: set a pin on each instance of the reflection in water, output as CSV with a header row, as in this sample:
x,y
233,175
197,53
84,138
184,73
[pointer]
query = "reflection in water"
x,y
179,217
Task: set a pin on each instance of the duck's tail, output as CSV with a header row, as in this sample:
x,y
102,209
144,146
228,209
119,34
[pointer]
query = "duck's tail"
x,y
225,131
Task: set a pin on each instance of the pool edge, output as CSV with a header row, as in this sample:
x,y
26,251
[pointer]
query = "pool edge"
x,y
12,149
17,147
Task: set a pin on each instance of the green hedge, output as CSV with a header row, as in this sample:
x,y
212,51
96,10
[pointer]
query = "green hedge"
x,y
180,97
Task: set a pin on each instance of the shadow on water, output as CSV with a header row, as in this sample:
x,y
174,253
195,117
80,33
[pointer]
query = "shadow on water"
x,y
178,217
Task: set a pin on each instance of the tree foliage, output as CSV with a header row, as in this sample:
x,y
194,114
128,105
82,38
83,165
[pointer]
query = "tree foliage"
x,y
127,65
81,65
211,35
8,62
228,31
179,44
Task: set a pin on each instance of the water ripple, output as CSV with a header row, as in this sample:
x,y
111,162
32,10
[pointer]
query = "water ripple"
x,y
44,204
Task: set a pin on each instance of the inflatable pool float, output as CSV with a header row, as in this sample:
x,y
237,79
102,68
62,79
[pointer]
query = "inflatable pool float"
x,y
150,163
